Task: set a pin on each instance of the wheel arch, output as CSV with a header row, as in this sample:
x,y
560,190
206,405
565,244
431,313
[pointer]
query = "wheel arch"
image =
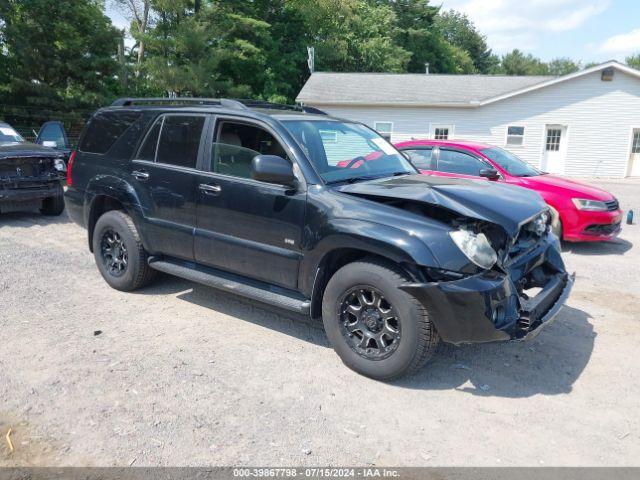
x,y
110,194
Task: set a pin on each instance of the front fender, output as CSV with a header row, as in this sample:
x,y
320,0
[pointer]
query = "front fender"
x,y
395,244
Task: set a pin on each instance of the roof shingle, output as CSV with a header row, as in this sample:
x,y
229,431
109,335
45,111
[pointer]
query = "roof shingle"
x,y
409,89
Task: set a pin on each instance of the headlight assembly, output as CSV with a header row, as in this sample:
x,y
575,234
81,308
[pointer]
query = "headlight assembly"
x,y
476,247
589,205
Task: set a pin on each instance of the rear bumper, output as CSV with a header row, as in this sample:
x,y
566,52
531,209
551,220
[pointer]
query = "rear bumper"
x,y
490,307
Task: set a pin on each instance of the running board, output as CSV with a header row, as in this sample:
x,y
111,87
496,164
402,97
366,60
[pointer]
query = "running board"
x,y
255,290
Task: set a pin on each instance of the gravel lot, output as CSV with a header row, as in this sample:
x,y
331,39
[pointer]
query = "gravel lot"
x,y
182,374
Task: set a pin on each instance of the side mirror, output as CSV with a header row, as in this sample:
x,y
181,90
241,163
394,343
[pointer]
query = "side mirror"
x,y
490,173
272,169
50,144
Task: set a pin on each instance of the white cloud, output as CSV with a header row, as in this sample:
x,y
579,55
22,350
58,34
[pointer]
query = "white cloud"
x,y
510,25
622,45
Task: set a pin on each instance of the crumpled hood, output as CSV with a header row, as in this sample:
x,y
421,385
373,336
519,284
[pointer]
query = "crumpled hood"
x,y
505,205
27,149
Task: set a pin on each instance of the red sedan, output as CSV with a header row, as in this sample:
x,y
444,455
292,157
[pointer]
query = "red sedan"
x,y
582,213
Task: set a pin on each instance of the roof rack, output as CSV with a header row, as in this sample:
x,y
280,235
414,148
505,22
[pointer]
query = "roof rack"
x,y
239,104
279,106
223,102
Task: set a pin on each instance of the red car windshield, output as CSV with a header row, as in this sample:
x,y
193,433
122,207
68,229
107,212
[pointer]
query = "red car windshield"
x,y
345,152
510,163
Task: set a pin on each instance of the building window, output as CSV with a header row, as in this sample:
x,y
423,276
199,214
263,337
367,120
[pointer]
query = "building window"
x,y
441,132
515,135
553,139
385,129
635,148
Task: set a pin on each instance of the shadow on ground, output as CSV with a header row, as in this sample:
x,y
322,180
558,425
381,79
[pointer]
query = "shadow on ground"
x,y
618,246
549,365
30,218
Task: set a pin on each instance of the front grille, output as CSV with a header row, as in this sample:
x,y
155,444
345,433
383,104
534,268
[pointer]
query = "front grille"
x,y
612,205
527,239
607,229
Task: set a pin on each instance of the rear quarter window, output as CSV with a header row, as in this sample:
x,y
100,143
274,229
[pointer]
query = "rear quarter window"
x,y
104,129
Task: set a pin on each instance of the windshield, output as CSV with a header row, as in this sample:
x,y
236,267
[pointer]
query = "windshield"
x,y
509,162
342,152
9,135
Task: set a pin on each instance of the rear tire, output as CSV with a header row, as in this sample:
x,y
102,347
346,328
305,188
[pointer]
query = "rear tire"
x,y
119,254
53,206
397,312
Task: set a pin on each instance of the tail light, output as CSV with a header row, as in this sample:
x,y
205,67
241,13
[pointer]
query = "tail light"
x,y
72,157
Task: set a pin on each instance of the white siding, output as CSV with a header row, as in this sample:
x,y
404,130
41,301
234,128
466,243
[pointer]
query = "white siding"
x,y
599,116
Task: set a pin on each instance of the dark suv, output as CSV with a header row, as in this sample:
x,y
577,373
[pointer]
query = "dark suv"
x,y
257,199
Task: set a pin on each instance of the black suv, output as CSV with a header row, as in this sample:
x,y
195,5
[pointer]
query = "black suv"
x,y
30,174
316,215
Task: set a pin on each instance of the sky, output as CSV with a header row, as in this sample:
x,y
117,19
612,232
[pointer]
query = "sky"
x,y
585,30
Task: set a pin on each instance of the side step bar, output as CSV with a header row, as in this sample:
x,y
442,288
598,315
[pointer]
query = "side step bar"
x,y
255,290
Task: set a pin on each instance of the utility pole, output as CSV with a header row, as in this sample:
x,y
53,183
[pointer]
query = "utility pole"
x,y
311,58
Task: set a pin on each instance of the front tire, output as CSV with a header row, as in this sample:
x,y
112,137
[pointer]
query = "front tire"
x,y
119,254
376,328
53,206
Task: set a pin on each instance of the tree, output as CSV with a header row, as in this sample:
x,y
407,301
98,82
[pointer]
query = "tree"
x,y
517,63
58,54
459,31
633,61
138,12
352,35
563,66
417,34
205,50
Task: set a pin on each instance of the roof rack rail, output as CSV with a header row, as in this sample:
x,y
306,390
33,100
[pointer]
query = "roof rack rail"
x,y
279,106
239,104
223,102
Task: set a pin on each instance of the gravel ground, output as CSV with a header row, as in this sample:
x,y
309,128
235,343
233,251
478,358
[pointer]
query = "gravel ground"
x,y
182,374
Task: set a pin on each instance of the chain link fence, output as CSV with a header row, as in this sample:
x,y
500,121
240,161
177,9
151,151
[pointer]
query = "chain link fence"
x,y
27,120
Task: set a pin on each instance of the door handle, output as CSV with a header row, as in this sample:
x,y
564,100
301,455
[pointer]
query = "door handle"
x,y
209,189
140,175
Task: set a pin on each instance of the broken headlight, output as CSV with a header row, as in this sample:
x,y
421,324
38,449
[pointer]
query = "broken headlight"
x,y
475,246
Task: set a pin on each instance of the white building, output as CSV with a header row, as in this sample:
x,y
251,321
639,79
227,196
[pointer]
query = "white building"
x,y
582,124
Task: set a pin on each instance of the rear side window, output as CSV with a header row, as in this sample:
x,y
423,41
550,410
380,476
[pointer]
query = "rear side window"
x,y
148,149
421,158
104,129
180,140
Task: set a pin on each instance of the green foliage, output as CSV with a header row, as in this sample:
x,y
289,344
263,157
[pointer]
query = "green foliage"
x,y
57,54
563,66
459,31
633,61
65,54
517,63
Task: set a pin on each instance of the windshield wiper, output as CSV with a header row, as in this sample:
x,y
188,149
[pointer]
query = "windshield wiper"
x,y
365,178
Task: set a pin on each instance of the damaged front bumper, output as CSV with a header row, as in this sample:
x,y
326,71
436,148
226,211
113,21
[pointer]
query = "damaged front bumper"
x,y
492,305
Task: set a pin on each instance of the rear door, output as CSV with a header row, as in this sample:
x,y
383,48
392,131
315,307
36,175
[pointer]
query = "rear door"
x,y
244,226
423,158
164,174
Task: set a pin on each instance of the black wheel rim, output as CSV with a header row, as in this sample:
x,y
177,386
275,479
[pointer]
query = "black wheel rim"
x,y
369,323
114,253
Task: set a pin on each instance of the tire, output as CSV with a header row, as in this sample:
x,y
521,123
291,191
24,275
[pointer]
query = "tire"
x,y
556,229
53,206
417,339
113,230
